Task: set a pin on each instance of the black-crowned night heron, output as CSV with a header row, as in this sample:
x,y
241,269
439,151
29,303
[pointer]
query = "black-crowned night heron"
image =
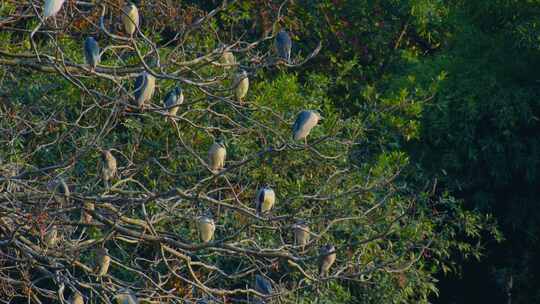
x,y
86,216
266,197
130,18
262,285
91,52
51,237
301,234
242,85
216,156
172,99
228,60
109,168
206,227
327,258
103,261
284,45
52,7
126,296
145,84
60,189
305,121
76,298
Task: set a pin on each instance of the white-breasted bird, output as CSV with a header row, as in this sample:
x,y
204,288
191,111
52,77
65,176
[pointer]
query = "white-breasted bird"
x,y
130,18
145,85
126,296
284,45
52,7
91,52
228,60
108,168
265,200
327,258
216,156
207,227
301,234
174,97
76,298
103,261
86,217
51,237
305,121
242,85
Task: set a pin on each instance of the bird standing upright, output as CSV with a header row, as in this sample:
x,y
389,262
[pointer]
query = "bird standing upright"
x,y
174,97
126,296
206,228
86,217
103,261
242,85
284,45
228,60
301,234
76,298
305,121
266,197
130,18
145,85
51,237
91,52
327,259
109,169
52,7
262,285
216,156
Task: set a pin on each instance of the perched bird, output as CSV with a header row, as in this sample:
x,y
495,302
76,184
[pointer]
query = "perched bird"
x,y
51,237
242,85
109,169
262,285
305,121
130,18
86,217
52,7
126,296
60,189
145,84
216,156
174,97
91,52
206,228
284,45
301,234
103,262
228,60
327,258
76,298
266,197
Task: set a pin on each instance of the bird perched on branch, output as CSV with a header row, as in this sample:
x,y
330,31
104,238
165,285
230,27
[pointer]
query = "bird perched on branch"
x,y
91,52
242,85
145,84
264,202
216,156
174,97
228,60
206,228
60,189
262,285
86,217
327,258
52,7
76,298
126,296
284,45
103,261
108,169
301,234
130,18
51,237
305,121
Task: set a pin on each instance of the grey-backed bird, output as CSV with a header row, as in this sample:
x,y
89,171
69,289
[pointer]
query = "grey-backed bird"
x,y
305,121
91,52
130,18
51,237
173,98
262,285
60,189
103,261
126,296
242,85
327,258
284,45
52,7
264,202
216,156
76,298
206,227
301,234
145,84
108,169
228,60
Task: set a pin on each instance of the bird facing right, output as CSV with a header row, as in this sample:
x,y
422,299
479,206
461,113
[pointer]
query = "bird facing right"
x,y
305,121
301,234
264,202
52,7
242,85
172,99
206,227
145,84
109,168
103,262
327,259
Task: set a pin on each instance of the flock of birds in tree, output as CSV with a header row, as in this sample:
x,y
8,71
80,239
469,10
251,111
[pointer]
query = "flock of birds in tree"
x,y
144,90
